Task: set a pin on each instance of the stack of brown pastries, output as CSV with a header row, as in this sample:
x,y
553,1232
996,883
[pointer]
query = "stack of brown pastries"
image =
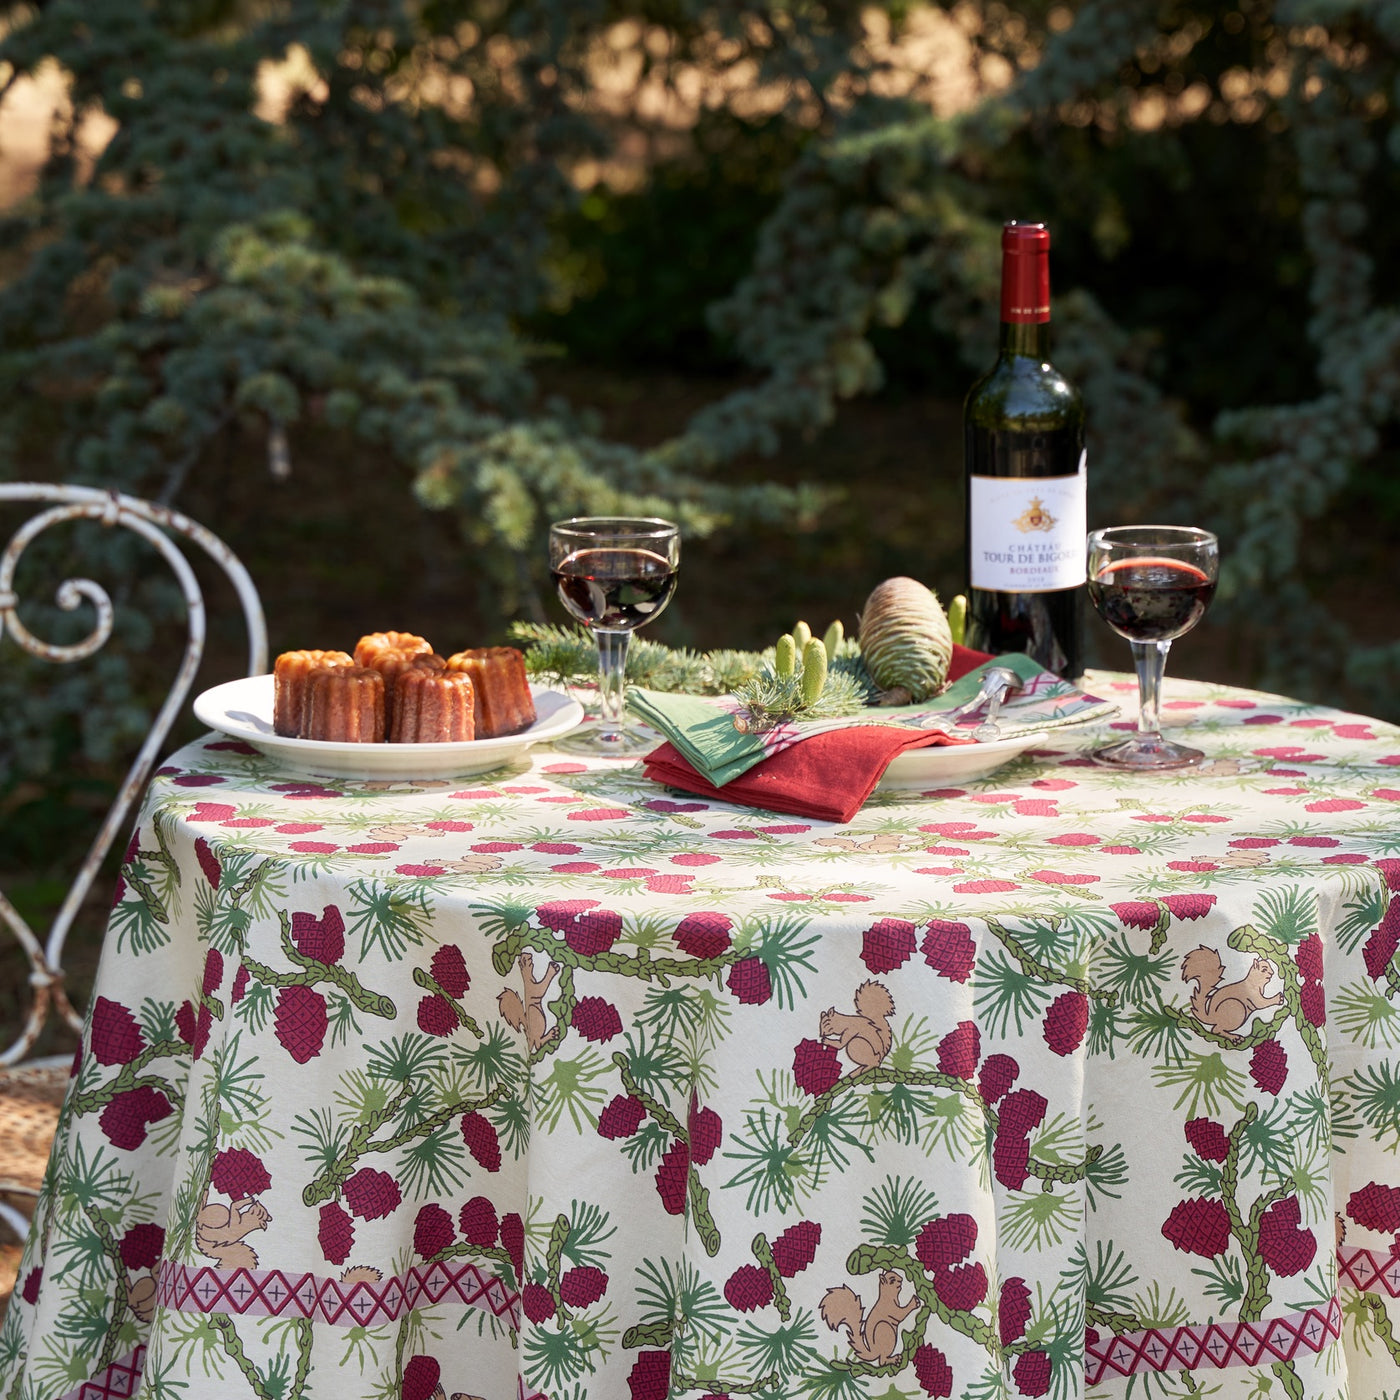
x,y
396,688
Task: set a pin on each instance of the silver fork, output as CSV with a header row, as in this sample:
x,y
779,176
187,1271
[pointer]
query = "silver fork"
x,y
1005,682
997,681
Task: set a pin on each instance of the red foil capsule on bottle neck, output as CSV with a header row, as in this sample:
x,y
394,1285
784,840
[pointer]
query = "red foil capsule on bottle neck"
x,y
1025,273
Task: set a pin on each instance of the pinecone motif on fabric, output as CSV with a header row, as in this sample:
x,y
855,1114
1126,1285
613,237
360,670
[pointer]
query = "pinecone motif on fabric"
x,y
478,1223
1136,913
1285,1247
1189,906
238,1174
185,1023
949,950
1032,1373
888,944
945,1241
815,1066
621,1118
335,1233
706,1130
1383,941
961,1289
513,1241
33,1280
1066,1022
1198,1225
142,1246
703,935
959,1050
1312,1001
116,1037
650,1378
749,1288
449,970
299,1022
749,981
322,940
537,1302
596,1019
932,1371
239,989
213,972
582,1286
125,1119
432,1231
796,1247
593,932
1022,1112
998,1075
372,1194
1309,958
421,1375
436,1016
1013,1310
479,1134
1011,1161
1376,1207
673,1177
1268,1066
559,914
208,861
203,1024
1208,1140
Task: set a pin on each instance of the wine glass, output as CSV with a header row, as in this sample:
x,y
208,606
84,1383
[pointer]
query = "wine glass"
x,y
613,574
1151,583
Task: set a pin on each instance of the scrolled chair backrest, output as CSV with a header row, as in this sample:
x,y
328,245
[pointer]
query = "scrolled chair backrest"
x,y
156,524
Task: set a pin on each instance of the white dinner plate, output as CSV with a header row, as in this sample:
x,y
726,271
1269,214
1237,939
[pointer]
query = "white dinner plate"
x,y
243,710
937,766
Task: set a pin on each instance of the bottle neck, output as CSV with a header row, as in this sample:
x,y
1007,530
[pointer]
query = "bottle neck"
x,y
1026,338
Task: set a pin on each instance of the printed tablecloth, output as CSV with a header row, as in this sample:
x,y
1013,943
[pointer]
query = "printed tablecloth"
x,y
1063,1082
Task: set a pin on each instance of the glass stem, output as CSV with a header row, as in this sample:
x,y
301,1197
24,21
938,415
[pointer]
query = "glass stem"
x,y
1150,660
612,663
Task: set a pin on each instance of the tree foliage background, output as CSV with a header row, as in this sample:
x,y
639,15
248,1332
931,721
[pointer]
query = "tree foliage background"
x,y
437,206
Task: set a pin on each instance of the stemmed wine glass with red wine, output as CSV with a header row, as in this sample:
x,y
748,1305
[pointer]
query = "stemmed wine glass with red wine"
x,y
1151,584
613,575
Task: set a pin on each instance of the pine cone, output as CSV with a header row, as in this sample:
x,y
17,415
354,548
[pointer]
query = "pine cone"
x,y
1189,906
1376,1207
185,1023
945,1241
240,985
815,1066
959,1051
887,944
477,1220
208,862
1312,1001
1268,1066
1065,1022
537,1302
421,1375
1283,1246
125,1119
672,1178
432,1231
1198,1226
706,1131
559,914
322,940
1309,958
596,1019
1022,1112
372,1194
998,1075
513,1241
703,935
116,1037
1208,1140
479,1134
1013,1310
142,1246
33,1280
449,970
1032,1373
650,1378
933,1372
213,972
203,1024
238,1174
1011,1160
621,1118
1382,942
299,1022
594,932
1136,913
749,981
749,1288
582,1286
436,1016
336,1234
961,1289
796,1247
949,950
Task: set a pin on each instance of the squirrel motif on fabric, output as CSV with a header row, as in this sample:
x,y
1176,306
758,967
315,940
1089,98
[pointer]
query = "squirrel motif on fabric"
x,y
865,1037
528,1015
875,1334
1226,1006
219,1231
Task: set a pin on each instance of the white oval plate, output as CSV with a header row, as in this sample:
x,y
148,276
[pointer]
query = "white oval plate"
x,y
937,766
243,710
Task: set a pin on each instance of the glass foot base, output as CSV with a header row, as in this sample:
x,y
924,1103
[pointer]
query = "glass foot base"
x,y
624,741
1146,751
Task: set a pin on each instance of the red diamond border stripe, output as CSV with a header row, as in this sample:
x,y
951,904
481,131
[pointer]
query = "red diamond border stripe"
x,y
1214,1345
119,1381
275,1293
1369,1270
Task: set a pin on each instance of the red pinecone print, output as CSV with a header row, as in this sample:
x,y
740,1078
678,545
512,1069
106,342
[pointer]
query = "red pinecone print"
x,y
815,1066
32,1281
1268,1066
336,1234
1208,1140
116,1038
185,1023
421,1375
946,1241
1136,913
372,1194
1198,1226
706,1130
1032,1373
1391,870
208,861
1065,1022
537,1302
1383,941
479,1134
961,1289
240,985
749,1288
887,944
703,935
583,1286
119,891
651,1376
1309,958
672,1178
596,1019
1022,1112
998,1075
141,1246
1283,1246
478,1223
593,932
1312,1000
124,1121
796,1247
513,1241
1189,906
239,1174
203,1024
959,1050
559,914
322,940
749,981
1013,1310
436,1016
432,1231
299,1022
1011,1160
933,1372
949,950
1376,1207
213,972
449,970
621,1118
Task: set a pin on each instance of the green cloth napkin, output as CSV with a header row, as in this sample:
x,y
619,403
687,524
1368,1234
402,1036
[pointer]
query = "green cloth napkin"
x,y
702,726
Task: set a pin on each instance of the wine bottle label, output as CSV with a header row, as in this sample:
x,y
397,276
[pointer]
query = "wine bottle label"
x,y
1028,532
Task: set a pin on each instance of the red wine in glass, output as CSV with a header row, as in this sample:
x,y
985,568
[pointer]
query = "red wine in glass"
x,y
1149,599
614,588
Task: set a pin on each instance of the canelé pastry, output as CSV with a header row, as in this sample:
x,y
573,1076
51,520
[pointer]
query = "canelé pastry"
x,y
432,707
289,673
391,663
504,704
374,643
344,704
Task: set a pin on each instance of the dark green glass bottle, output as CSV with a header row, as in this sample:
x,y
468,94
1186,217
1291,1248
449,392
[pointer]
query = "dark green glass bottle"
x,y
1025,471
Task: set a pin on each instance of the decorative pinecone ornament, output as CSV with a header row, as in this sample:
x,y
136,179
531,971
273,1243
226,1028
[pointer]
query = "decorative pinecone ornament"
x,y
1198,1225
905,641
888,944
372,1194
582,1286
596,1019
672,1178
621,1118
421,1376
1312,1001
959,1050
1376,1207
749,981
650,1378
116,1037
998,1075
1013,1310
1268,1066
479,1134
436,1016
946,1241
238,1173
963,1288
1189,906
126,1118
478,1223
749,1288
1022,1112
706,1130
1032,1373
1309,958
1066,1022
449,970
932,1371
796,1247
949,950
593,932
537,1302
142,1246
703,935
1283,1245
432,1231
1208,1140
322,940
815,1066
336,1233
513,1241
299,1022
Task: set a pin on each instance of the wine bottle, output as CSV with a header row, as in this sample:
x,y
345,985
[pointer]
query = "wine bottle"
x,y
1023,427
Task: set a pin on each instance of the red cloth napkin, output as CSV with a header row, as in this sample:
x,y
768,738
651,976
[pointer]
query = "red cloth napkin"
x,y
828,776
